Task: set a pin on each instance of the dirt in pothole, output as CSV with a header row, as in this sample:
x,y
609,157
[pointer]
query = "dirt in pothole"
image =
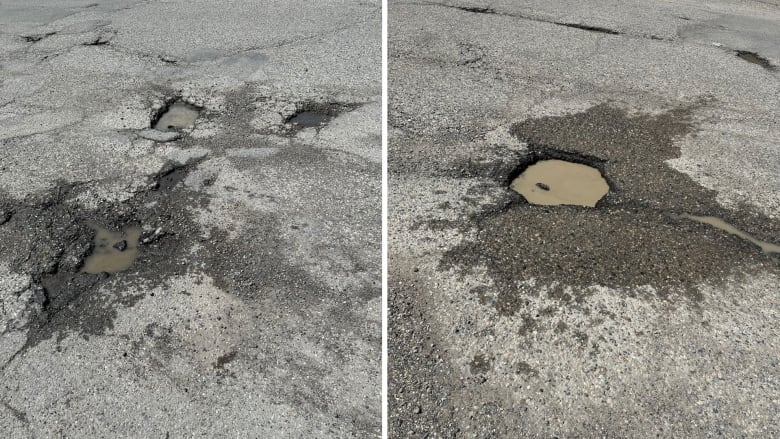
x,y
634,237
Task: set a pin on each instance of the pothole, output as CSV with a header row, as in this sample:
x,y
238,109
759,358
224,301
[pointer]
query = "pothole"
x,y
557,182
766,247
113,251
754,58
176,116
631,241
310,119
310,114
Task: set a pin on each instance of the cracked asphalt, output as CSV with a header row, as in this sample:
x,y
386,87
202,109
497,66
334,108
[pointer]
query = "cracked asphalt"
x,y
253,306
624,320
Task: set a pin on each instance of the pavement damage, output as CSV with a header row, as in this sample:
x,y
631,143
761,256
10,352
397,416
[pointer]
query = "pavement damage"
x,y
511,318
161,246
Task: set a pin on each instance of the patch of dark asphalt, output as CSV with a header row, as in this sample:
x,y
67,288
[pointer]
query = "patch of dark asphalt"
x,y
633,238
222,360
263,271
51,237
308,114
755,58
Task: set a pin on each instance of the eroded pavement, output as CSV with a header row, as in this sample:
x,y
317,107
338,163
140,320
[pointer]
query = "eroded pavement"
x,y
627,319
252,306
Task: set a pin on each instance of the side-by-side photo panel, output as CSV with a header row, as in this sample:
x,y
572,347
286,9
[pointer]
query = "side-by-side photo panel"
x,y
190,219
584,219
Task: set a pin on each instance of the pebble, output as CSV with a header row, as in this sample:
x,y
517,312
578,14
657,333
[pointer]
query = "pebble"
x,y
543,186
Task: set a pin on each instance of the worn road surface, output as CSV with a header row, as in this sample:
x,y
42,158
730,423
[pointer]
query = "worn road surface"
x,y
250,307
627,319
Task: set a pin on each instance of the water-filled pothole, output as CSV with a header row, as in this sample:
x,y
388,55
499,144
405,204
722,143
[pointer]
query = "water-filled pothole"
x,y
178,115
310,119
718,223
556,182
311,114
113,251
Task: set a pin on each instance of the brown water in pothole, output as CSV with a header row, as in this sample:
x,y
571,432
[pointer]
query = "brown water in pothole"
x,y
177,116
113,251
556,182
766,247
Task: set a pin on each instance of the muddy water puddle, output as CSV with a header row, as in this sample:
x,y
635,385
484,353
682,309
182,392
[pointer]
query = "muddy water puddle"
x,y
766,247
113,251
557,182
178,116
310,119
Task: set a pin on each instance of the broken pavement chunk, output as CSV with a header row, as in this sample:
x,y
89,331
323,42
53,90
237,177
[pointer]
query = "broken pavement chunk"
x,y
159,136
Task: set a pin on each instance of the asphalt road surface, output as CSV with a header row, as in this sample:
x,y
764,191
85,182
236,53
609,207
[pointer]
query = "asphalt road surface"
x,y
627,319
250,220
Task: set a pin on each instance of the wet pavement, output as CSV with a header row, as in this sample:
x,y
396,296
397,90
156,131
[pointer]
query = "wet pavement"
x,y
233,286
512,316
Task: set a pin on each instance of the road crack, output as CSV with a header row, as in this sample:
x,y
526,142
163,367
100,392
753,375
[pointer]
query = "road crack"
x,y
579,26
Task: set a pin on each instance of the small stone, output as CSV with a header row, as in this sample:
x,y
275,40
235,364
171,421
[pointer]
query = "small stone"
x,y
121,245
543,186
417,410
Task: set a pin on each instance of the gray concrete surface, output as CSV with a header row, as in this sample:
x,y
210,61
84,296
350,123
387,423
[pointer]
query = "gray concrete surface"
x,y
253,308
624,320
